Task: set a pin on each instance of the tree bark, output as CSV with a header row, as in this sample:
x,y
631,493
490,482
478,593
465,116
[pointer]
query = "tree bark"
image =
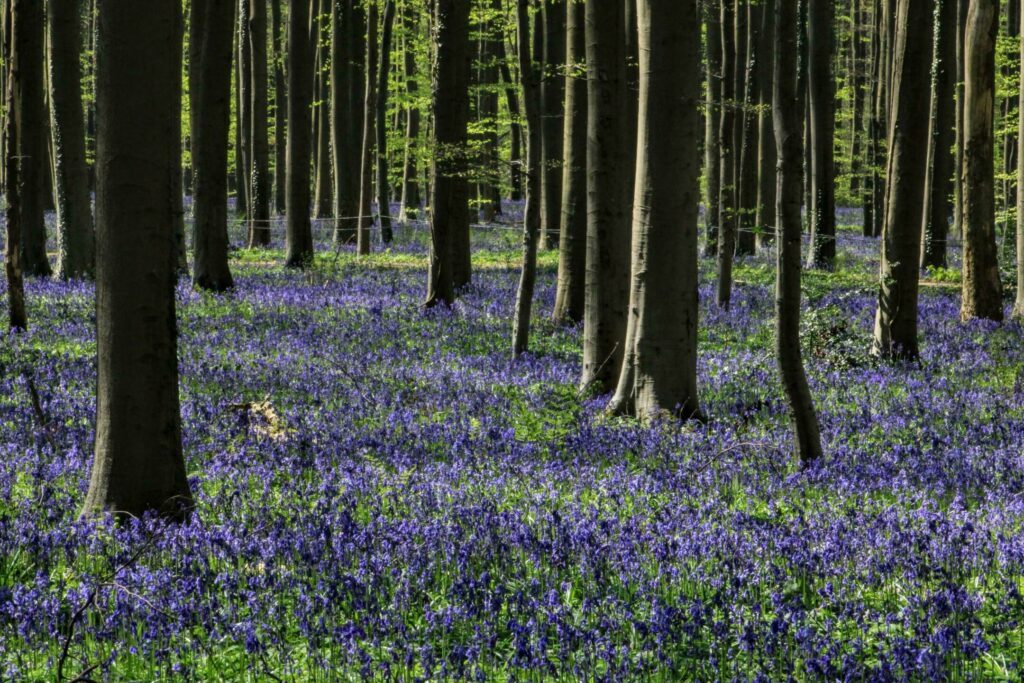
x,y
76,238
410,187
299,233
280,107
210,95
28,32
788,110
369,133
244,119
138,464
552,86
982,289
1018,306
323,201
767,155
727,196
938,184
13,188
259,147
348,60
712,119
748,126
821,91
383,79
572,249
659,373
609,167
961,76
532,100
895,333
449,207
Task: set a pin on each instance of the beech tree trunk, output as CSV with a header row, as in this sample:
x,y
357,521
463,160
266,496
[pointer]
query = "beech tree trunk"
x,y
13,187
552,86
961,76
280,106
821,91
138,464
299,233
982,289
75,235
369,133
659,373
712,118
210,94
323,201
727,196
1018,306
572,249
449,206
787,112
895,333
259,147
609,167
767,156
938,183
747,126
528,70
27,36
383,79
410,167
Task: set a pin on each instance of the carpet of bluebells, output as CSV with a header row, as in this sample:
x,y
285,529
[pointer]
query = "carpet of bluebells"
x,y
383,494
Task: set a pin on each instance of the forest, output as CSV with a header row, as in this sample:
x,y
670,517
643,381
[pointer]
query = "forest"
x,y
511,340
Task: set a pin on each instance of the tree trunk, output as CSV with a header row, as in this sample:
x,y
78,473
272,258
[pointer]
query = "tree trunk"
x,y
14,189
659,373
299,233
76,252
324,199
449,208
767,155
552,86
896,318
280,106
244,121
712,119
727,196
747,126
210,95
572,250
982,290
961,76
259,147
28,32
348,60
138,465
609,166
788,110
532,99
410,188
515,129
821,91
369,134
1018,306
941,134
383,79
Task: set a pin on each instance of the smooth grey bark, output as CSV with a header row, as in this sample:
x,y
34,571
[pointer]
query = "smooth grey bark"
x,y
410,186
27,41
821,94
659,373
895,334
712,118
299,233
75,235
368,134
787,112
323,199
138,464
532,100
609,171
572,248
449,206
748,33
243,126
13,188
259,145
961,52
938,184
767,155
383,79
982,289
280,106
348,60
210,94
552,95
727,190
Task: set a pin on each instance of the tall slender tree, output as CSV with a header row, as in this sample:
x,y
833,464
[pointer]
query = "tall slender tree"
x,y
383,81
212,23
76,252
552,94
659,373
767,155
727,199
787,109
896,318
982,289
410,167
449,206
323,197
712,118
299,232
138,464
529,72
821,93
369,134
572,251
13,189
27,38
259,145
280,105
1018,306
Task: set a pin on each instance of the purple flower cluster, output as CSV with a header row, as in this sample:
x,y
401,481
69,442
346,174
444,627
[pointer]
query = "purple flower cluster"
x,y
416,506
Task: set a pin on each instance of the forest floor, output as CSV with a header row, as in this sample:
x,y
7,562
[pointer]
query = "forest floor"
x,y
382,493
